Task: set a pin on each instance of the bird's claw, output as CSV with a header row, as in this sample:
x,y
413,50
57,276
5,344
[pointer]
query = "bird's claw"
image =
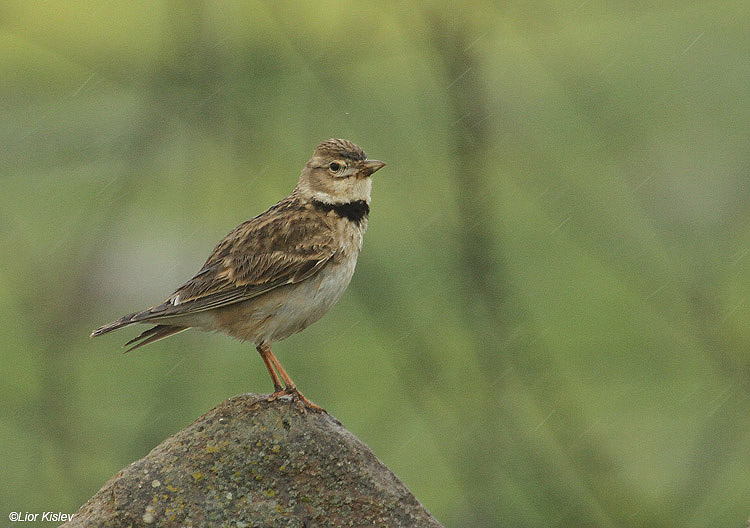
x,y
297,396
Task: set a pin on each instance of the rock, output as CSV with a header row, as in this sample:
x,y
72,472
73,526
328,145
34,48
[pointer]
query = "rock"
x,y
254,463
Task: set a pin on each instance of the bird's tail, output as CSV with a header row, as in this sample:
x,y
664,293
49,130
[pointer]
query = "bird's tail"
x,y
151,335
125,320
154,334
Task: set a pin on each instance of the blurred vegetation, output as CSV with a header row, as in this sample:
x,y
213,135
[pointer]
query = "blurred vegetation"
x,y
549,324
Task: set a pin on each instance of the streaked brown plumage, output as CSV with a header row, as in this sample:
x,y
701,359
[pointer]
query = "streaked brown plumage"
x,y
277,273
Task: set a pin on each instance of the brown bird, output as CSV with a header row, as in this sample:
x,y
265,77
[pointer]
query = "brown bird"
x,y
281,271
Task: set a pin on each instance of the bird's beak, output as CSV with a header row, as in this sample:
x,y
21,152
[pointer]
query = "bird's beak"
x,y
370,166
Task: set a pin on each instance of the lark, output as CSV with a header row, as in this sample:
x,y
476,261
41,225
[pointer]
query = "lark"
x,y
276,274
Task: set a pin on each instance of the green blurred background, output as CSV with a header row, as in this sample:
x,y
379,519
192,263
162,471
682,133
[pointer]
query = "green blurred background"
x,y
549,321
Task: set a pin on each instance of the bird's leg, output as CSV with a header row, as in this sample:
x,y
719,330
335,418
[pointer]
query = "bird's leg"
x,y
290,387
265,352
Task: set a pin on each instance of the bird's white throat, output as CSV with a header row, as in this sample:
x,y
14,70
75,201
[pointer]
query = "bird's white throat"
x,y
341,191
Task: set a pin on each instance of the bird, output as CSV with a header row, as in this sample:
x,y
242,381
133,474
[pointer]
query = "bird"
x,y
277,273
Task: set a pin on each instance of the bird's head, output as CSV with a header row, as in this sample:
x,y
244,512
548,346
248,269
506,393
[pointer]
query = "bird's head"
x,y
338,172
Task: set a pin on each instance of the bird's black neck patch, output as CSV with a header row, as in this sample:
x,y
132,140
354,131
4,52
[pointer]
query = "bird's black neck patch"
x,y
355,211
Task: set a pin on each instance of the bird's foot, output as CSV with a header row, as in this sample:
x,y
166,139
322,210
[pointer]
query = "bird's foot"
x,y
298,397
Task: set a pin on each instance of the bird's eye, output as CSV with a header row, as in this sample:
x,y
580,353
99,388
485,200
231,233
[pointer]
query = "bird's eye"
x,y
335,167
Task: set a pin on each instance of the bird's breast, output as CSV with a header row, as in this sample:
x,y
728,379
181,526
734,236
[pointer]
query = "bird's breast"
x,y
289,309
286,310
350,235
306,302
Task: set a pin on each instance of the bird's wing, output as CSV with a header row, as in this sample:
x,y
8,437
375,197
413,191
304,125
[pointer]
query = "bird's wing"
x,y
285,245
